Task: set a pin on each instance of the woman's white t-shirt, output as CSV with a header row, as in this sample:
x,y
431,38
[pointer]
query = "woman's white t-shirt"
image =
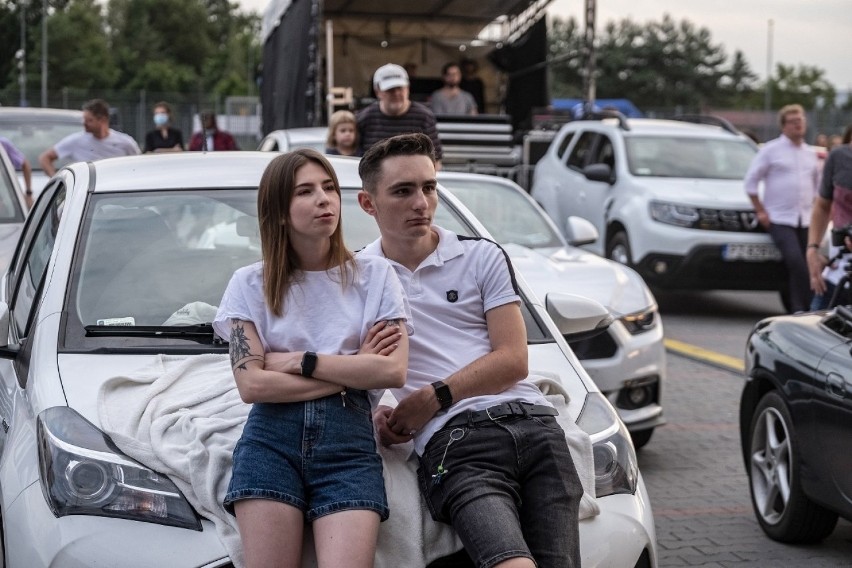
x,y
319,314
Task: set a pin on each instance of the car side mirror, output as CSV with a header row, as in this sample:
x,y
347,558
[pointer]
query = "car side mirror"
x,y
577,317
599,172
582,231
6,352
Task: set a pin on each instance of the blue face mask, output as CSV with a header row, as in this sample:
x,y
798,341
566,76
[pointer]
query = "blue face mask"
x,y
161,119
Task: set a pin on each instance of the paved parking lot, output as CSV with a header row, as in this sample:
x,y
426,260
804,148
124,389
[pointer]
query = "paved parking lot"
x,y
699,492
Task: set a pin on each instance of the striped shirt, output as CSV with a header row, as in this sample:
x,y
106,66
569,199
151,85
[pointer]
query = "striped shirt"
x,y
374,125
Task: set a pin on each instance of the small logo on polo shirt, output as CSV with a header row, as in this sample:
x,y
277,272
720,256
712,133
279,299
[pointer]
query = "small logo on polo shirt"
x,y
452,295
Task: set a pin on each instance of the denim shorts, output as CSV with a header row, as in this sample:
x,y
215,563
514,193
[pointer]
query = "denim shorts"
x,y
509,488
318,456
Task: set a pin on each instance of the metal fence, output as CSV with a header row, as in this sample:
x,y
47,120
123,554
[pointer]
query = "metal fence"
x,y
241,116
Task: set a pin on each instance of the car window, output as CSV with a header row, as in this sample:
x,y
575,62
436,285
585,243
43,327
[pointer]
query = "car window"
x,y
580,152
506,213
604,153
688,157
32,135
32,265
164,258
145,259
563,144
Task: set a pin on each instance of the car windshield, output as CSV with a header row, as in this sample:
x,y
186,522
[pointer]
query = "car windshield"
x,y
507,214
33,134
150,264
688,157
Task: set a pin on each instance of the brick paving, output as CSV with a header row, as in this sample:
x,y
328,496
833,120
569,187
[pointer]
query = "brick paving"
x,y
694,472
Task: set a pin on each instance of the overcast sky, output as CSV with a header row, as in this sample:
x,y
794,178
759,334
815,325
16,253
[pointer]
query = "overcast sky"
x,y
810,32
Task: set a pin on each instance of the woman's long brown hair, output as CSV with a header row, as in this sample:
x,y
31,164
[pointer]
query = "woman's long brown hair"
x,y
280,262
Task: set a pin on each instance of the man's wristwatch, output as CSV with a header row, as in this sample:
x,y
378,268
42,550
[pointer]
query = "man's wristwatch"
x,y
443,394
309,363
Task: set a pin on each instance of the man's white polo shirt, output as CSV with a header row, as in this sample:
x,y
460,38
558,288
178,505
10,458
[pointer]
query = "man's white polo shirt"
x,y
449,294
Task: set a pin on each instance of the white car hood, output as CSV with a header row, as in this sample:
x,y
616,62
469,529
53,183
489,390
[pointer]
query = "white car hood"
x,y
724,194
83,375
573,271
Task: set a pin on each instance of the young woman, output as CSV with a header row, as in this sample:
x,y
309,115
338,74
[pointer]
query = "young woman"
x,y
164,137
342,137
309,335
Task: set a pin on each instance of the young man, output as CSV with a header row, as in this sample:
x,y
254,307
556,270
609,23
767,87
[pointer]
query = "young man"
x,y
394,113
494,463
451,99
789,171
97,141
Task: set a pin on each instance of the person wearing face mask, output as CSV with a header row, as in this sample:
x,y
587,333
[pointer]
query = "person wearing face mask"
x,y
164,138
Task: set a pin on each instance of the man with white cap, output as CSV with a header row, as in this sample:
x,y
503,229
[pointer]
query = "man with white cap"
x,y
394,113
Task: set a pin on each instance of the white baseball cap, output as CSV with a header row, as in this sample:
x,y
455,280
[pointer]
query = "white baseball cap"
x,y
390,76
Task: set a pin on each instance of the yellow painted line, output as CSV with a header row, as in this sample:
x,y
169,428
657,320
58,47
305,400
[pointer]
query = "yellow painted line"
x,y
705,355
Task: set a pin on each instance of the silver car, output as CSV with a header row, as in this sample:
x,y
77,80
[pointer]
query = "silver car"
x,y
292,138
34,130
628,360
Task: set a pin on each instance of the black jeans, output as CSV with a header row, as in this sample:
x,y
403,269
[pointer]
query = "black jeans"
x,y
792,242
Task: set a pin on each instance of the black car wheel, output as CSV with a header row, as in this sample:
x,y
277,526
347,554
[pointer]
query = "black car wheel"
x,y
783,510
641,437
618,249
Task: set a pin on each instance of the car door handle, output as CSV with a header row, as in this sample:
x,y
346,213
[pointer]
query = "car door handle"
x,y
835,385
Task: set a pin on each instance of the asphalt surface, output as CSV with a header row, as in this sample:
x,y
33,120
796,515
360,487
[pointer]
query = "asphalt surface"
x,y
693,467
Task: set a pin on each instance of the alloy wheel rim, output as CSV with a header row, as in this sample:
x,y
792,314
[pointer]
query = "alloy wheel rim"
x,y
619,254
771,466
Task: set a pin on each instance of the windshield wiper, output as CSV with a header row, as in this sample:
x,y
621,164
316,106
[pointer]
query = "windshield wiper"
x,y
201,330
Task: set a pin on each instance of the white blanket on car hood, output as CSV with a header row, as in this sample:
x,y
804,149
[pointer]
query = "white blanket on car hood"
x,y
183,416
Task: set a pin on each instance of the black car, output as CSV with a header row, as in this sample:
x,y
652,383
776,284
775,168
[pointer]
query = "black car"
x,y
796,423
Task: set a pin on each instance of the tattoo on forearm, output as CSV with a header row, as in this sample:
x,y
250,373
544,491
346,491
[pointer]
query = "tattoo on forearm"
x,y
394,322
239,347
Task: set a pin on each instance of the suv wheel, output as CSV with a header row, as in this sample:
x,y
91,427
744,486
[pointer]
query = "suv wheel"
x,y
618,249
783,510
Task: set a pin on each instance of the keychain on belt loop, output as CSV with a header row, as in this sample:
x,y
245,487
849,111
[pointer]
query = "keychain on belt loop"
x,y
455,435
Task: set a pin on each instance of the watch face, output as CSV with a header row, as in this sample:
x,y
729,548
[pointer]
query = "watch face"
x,y
442,392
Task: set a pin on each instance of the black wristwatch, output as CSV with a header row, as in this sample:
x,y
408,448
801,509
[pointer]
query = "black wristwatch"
x,y
442,392
309,363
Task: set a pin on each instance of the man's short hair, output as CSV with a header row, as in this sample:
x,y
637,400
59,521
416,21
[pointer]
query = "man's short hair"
x,y
448,66
98,107
370,167
788,110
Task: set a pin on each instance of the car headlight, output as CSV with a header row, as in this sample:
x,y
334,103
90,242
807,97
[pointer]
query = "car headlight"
x,y
640,322
84,473
616,468
674,214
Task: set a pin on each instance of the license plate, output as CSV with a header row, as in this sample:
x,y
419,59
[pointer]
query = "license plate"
x,y
751,252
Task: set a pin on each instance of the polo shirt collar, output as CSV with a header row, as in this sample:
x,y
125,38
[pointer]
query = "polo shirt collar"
x,y
449,247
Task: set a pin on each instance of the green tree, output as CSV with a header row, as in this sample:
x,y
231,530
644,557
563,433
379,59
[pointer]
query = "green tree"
x,y
565,57
805,85
666,64
78,50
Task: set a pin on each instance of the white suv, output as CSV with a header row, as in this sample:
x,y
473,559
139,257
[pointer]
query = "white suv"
x,y
668,197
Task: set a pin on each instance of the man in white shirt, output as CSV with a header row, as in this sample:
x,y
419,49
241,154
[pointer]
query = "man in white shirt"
x,y
789,170
494,462
96,142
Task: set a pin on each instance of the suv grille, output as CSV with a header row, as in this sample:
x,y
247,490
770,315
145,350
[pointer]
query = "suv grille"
x,y
728,220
